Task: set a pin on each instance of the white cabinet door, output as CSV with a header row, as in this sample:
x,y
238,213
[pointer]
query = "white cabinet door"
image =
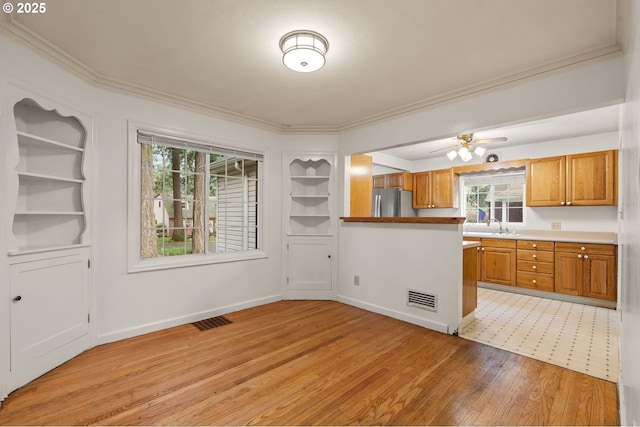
x,y
309,271
49,314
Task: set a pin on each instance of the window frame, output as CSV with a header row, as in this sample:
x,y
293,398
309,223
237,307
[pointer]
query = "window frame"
x,y
493,175
135,262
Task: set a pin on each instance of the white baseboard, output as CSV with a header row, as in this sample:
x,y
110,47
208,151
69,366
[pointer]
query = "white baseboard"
x,y
405,317
181,320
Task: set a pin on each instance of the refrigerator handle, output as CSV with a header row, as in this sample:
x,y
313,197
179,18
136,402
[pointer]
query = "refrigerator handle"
x,y
378,204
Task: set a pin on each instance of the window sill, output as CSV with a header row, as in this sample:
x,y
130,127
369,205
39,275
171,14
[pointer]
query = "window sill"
x,y
165,263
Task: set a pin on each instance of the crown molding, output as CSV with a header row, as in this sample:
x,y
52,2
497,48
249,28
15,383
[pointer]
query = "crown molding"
x,y
36,43
25,36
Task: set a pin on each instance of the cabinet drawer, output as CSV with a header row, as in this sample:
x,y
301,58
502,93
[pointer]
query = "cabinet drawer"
x,y
499,243
588,248
535,267
534,255
543,282
535,245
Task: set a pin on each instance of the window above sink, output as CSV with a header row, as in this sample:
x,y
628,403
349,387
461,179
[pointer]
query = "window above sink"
x,y
493,203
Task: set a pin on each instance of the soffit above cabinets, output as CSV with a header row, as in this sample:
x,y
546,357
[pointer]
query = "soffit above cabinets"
x,y
590,122
386,58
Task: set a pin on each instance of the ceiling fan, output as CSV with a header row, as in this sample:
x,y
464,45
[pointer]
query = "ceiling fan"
x,y
467,145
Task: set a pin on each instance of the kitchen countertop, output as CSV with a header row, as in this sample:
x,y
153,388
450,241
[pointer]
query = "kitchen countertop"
x,y
406,219
552,236
467,245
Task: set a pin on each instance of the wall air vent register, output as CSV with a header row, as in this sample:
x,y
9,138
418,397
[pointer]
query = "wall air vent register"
x,y
422,300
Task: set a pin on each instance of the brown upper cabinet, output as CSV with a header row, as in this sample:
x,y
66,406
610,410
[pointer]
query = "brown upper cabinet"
x,y
379,181
434,189
587,179
360,187
403,180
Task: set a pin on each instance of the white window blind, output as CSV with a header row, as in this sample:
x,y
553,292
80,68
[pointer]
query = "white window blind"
x,y
190,144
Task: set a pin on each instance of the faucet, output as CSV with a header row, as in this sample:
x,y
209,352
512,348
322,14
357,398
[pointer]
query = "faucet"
x,y
489,221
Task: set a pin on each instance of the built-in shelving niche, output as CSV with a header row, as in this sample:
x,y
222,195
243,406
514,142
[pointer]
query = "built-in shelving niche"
x,y
49,208
310,213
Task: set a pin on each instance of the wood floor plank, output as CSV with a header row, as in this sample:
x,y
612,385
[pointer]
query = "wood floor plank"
x,y
308,363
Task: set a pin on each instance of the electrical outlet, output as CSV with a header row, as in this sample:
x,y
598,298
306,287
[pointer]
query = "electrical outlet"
x,y
356,280
556,225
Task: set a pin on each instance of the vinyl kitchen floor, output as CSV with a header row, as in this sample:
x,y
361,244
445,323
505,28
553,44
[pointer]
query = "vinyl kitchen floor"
x,y
578,337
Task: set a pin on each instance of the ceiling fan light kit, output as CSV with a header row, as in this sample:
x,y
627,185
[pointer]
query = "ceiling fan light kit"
x,y
303,50
467,148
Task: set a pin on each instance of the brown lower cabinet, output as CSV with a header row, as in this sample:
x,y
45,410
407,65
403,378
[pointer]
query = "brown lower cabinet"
x,y
578,269
469,280
586,270
499,261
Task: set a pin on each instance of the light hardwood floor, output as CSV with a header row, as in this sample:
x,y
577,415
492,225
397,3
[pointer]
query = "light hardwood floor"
x,y
303,363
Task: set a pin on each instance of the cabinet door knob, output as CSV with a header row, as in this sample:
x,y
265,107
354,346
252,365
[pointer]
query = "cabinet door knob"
x,y
483,249
586,257
568,203
579,256
534,281
562,203
535,267
18,298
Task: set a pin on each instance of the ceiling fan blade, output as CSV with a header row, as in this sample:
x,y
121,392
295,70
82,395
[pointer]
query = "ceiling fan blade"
x,y
487,140
444,148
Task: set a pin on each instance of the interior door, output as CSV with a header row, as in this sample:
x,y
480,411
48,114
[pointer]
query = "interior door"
x,y
49,314
309,269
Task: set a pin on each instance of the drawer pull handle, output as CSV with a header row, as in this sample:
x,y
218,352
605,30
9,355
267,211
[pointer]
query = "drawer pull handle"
x,y
583,248
534,255
535,267
534,246
534,281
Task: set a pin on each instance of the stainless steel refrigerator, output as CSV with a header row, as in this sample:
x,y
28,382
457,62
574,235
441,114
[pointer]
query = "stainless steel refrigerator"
x,y
392,202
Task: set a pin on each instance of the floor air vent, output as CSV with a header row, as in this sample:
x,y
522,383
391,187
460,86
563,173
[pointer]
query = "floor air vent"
x,y
211,323
422,300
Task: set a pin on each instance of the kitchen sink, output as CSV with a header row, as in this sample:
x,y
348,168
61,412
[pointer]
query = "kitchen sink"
x,y
491,233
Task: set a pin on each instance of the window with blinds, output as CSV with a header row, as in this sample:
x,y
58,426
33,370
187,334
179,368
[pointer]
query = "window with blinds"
x,y
196,198
494,196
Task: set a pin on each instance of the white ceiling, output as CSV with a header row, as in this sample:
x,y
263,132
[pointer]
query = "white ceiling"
x,y
386,57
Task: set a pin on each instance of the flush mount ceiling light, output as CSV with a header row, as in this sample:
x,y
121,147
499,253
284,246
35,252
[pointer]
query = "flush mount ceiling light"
x,y
304,50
